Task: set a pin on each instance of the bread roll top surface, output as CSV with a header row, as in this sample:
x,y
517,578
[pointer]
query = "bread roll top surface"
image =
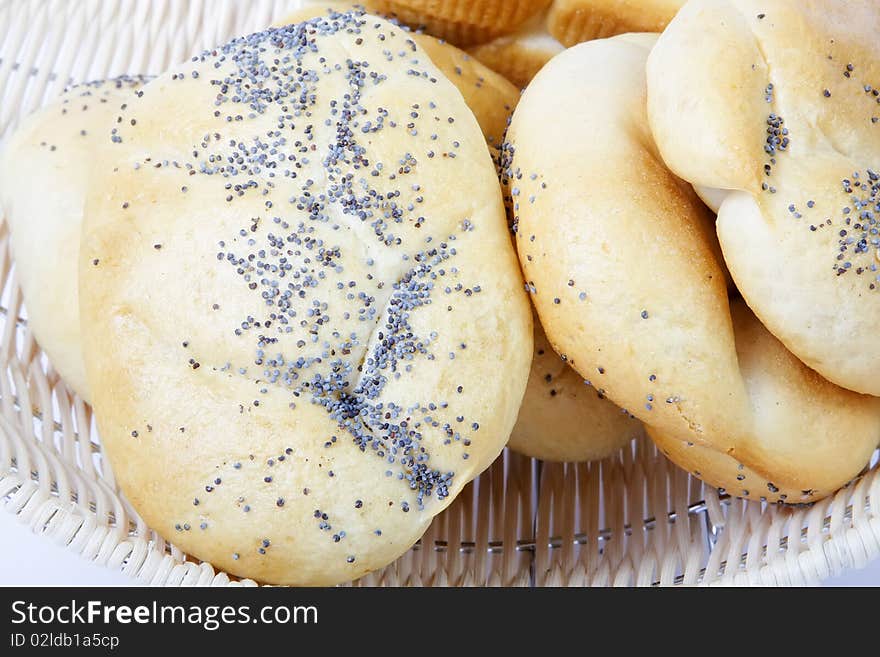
x,y
304,325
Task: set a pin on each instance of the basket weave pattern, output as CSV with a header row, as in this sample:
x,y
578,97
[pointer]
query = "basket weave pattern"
x,y
633,519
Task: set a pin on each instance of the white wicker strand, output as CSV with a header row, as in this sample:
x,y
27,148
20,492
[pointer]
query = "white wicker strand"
x,y
633,519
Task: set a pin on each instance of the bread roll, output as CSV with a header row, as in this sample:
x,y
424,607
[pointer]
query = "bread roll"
x,y
461,22
621,261
802,418
43,173
575,21
304,326
773,108
563,417
520,55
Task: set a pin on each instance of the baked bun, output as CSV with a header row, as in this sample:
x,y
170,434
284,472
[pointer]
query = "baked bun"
x,y
772,105
520,55
462,22
575,21
622,264
43,174
564,418
304,327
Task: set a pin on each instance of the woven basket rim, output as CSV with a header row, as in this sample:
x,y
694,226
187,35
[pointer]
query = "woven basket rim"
x,y
568,524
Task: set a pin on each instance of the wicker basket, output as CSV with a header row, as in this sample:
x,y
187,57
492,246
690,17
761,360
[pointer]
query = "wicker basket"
x,y
632,519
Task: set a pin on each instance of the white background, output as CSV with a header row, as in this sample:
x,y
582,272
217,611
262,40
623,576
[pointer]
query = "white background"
x,y
27,559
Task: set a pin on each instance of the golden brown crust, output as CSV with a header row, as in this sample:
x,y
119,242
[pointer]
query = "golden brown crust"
x,y
576,21
520,55
462,22
489,95
582,235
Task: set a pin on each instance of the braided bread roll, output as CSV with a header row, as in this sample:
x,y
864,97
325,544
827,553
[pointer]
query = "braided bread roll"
x,y
625,273
770,110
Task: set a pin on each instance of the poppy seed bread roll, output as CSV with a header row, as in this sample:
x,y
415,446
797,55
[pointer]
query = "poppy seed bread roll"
x,y
304,325
772,111
43,173
623,267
